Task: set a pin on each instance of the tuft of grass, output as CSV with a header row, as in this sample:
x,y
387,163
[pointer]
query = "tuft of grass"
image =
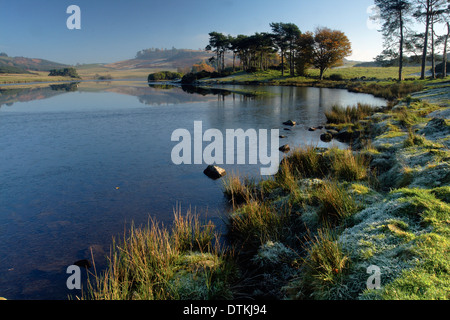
x,y
323,268
348,166
336,204
152,263
351,114
238,190
255,223
190,234
415,140
309,162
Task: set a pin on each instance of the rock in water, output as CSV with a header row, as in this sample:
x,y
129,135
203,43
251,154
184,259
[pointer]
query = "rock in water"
x,y
284,148
83,263
214,172
289,123
326,137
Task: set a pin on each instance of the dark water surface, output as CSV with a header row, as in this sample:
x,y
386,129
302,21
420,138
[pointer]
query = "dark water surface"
x,y
79,163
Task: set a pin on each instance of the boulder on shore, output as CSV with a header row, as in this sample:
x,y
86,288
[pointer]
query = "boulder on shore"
x,y
214,172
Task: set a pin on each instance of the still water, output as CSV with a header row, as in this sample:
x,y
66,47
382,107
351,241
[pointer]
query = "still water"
x,y
79,163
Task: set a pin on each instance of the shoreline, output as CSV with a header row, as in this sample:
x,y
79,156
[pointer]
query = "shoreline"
x,y
397,220
313,230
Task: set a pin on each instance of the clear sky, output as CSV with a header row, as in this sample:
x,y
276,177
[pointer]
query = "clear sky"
x,y
115,30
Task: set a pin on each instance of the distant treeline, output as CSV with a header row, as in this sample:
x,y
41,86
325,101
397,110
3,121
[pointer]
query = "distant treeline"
x,y
11,69
285,46
167,54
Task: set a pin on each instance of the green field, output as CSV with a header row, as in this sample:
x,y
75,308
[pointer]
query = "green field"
x,y
346,73
86,72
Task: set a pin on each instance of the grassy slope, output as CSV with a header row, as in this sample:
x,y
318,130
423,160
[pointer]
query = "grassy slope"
x,y
87,72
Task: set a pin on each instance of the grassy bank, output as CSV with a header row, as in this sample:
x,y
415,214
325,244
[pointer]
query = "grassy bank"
x,y
380,82
312,230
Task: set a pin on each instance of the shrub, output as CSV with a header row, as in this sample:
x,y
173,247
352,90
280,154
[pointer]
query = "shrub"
x,y
164,75
66,72
336,77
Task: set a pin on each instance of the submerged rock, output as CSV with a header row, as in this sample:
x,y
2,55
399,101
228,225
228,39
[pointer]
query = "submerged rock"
x,y
347,135
84,263
214,172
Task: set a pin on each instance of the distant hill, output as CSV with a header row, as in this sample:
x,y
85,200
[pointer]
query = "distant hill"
x,y
24,65
165,59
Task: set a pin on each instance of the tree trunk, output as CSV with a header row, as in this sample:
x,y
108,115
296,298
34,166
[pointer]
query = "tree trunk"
x,y
433,58
218,61
282,63
400,62
425,43
444,71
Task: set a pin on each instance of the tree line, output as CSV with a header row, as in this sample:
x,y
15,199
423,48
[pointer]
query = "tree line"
x,y
285,47
398,18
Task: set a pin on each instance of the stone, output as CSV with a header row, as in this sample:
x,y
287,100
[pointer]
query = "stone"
x,y
84,263
312,129
326,137
333,132
285,148
282,137
289,123
214,172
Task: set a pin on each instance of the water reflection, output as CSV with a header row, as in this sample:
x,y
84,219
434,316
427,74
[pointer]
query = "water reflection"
x,y
79,162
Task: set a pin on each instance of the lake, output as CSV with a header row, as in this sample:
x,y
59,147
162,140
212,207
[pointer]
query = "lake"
x,y
80,162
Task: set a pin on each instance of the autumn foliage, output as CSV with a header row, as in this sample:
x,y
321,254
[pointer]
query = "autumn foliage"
x,y
202,66
329,49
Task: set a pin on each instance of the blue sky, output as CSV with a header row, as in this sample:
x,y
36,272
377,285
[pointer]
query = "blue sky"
x,y
115,30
